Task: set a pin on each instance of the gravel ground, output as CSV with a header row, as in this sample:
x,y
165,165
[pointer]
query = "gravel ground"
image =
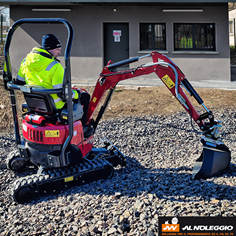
x,y
156,182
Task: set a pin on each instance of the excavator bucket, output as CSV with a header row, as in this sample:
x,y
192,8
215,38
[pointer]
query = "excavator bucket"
x,y
212,161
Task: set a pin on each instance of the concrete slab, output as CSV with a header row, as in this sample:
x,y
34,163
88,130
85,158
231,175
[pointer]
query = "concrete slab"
x,y
151,82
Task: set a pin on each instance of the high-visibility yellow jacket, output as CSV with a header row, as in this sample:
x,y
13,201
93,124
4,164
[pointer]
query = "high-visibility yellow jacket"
x,y
186,42
45,71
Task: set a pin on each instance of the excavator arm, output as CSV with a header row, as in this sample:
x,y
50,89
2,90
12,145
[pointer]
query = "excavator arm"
x,y
166,70
215,156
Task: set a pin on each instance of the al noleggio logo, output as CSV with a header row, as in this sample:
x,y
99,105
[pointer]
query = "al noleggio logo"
x,y
173,227
196,226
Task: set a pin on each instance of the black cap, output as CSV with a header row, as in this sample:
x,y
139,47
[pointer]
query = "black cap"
x,y
50,41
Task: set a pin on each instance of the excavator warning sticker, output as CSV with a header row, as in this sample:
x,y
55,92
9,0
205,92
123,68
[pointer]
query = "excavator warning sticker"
x,y
24,127
94,99
52,133
168,81
68,179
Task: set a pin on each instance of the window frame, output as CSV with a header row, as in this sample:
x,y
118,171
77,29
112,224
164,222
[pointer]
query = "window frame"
x,y
212,47
152,48
231,23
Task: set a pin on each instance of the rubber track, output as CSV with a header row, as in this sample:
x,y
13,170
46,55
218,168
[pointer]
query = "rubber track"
x,y
30,187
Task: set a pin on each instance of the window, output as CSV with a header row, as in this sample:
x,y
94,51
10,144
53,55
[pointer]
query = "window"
x,y
194,37
152,36
231,27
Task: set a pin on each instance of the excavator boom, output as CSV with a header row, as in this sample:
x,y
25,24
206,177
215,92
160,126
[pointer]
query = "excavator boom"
x,y
165,69
215,157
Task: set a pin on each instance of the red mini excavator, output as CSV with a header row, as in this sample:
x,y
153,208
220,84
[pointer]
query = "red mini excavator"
x,y
55,142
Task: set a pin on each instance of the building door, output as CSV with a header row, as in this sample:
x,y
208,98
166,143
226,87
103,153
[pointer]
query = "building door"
x,y
116,42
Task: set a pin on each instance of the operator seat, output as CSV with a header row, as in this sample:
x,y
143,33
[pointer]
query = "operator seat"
x,y
38,103
43,104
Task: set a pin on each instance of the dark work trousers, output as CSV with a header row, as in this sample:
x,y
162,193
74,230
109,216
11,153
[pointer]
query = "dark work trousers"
x,y
84,100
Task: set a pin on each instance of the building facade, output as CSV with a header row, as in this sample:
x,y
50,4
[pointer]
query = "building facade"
x,y
191,33
232,37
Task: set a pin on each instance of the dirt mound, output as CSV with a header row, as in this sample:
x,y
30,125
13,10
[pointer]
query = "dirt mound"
x,y
6,118
131,102
128,102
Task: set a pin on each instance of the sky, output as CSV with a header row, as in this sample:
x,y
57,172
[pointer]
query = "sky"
x,y
5,13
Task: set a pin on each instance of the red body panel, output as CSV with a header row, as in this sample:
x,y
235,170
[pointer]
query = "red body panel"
x,y
86,146
56,135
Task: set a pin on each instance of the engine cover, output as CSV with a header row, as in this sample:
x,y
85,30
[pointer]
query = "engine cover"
x,y
52,134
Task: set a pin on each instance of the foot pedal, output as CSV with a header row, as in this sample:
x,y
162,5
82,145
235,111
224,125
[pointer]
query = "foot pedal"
x,y
88,131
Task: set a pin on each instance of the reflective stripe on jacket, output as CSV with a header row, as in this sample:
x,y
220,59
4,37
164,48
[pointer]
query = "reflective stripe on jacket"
x,y
39,70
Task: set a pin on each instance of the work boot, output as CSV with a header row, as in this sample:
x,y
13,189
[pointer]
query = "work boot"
x,y
88,131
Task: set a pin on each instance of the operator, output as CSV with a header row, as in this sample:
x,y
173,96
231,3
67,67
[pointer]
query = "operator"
x,y
186,42
42,68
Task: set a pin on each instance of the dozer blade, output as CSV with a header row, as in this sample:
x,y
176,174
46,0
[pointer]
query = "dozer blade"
x,y
213,161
